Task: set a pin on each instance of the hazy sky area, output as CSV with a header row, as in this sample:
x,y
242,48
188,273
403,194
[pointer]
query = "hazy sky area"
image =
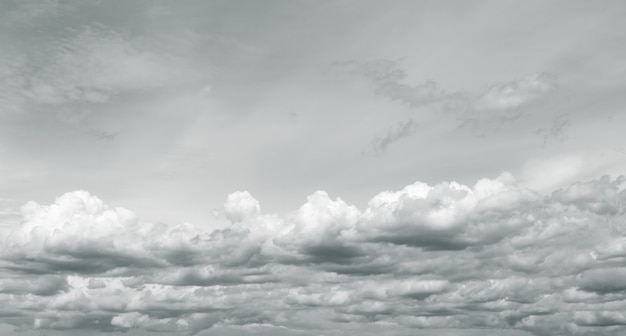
x,y
348,167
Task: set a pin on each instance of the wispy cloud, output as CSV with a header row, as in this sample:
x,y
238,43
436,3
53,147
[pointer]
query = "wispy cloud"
x,y
557,129
480,111
399,131
513,94
90,66
31,12
78,71
390,80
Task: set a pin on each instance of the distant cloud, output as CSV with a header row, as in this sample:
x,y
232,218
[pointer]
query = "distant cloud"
x,y
557,129
512,94
32,12
489,256
500,103
102,134
89,65
389,81
480,111
401,130
72,73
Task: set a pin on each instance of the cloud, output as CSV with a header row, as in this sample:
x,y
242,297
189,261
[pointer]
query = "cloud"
x,y
389,80
501,103
32,12
557,130
513,94
88,65
240,206
400,131
482,111
446,216
44,286
75,78
492,256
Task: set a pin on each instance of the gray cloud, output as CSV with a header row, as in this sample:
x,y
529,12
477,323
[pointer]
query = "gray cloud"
x,y
401,130
481,111
46,285
86,65
491,256
389,80
557,129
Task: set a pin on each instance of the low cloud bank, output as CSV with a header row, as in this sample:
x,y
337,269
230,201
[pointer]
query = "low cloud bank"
x,y
448,256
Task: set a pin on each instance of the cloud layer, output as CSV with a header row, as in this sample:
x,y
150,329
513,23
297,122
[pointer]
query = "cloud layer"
x,y
442,257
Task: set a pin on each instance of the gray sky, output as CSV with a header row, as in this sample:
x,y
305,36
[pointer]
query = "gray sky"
x,y
301,128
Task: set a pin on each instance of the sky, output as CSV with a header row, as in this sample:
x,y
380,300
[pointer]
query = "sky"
x,y
312,167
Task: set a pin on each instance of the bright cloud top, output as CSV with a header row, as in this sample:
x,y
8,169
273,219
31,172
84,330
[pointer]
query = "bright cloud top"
x,y
489,256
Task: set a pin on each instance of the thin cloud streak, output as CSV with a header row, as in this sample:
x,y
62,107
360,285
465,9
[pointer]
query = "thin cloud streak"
x,y
401,130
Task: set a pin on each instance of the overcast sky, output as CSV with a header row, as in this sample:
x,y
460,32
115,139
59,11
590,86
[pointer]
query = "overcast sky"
x,y
312,167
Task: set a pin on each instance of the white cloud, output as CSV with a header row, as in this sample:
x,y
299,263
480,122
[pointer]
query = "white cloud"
x,y
240,206
494,255
549,173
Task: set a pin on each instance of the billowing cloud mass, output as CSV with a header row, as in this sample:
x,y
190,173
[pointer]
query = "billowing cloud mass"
x,y
492,257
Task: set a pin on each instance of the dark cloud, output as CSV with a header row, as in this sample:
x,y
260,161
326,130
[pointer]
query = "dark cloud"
x,y
46,285
604,280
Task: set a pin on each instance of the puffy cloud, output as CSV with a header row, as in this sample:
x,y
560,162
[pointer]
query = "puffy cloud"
x,y
77,233
241,205
449,215
492,256
602,196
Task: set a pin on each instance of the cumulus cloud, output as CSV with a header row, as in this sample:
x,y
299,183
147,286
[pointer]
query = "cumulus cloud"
x,y
241,205
491,256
